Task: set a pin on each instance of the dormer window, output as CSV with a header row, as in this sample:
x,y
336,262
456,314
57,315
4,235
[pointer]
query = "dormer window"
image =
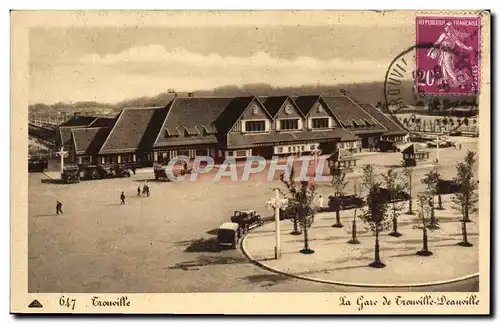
x,y
317,123
289,124
255,126
169,134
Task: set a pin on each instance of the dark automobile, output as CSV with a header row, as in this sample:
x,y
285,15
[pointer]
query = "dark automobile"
x,y
37,165
228,234
160,171
344,202
70,174
447,187
385,196
247,219
121,171
96,172
91,172
387,146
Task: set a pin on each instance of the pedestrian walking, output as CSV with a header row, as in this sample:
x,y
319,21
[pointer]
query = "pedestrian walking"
x,y
138,190
146,188
59,208
320,202
122,197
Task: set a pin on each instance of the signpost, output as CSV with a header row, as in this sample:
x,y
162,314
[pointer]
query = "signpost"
x,y
277,203
62,153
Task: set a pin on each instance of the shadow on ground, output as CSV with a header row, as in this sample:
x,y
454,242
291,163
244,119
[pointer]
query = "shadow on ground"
x,y
53,181
203,261
151,180
202,245
267,280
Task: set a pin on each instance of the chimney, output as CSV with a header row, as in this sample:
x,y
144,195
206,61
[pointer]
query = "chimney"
x,y
343,92
190,94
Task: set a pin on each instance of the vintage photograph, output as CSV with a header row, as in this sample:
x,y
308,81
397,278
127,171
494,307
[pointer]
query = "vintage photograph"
x,y
254,152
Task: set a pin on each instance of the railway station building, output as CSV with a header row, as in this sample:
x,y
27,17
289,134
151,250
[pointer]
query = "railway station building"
x,y
224,127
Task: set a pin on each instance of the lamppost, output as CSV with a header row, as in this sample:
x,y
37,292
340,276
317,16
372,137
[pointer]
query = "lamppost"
x,y
277,203
62,153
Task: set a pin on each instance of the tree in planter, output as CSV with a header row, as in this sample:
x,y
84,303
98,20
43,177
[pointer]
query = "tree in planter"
x,y
357,193
408,174
338,183
466,199
291,208
431,180
377,220
306,209
391,179
425,203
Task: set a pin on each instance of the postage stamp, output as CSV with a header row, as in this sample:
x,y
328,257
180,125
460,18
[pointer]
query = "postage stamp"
x,y
157,169
449,63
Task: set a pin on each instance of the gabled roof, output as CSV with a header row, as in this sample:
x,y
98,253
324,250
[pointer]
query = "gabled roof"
x,y
342,155
347,111
65,136
305,103
78,121
134,129
89,140
233,112
196,116
392,127
273,104
412,149
103,122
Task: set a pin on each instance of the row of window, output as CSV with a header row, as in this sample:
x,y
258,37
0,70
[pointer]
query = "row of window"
x,y
285,124
358,123
296,148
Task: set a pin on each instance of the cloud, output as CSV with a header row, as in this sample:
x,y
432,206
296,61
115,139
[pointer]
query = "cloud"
x,y
149,70
258,61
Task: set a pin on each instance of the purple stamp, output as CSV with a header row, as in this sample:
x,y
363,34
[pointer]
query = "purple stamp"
x,y
447,57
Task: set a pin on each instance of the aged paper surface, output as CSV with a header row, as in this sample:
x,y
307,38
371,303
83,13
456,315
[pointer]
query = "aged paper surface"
x,y
157,150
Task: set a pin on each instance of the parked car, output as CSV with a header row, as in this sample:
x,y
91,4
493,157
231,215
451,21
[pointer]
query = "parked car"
x,y
247,219
385,195
445,187
91,172
344,202
228,234
37,165
160,171
70,174
442,143
387,146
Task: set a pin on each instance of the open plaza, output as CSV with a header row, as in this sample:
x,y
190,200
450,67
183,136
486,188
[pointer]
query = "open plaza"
x,y
166,242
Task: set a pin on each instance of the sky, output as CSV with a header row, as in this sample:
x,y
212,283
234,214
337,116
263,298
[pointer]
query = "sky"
x,y
110,64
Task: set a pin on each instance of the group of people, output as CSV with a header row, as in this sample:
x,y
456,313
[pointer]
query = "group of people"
x,y
145,191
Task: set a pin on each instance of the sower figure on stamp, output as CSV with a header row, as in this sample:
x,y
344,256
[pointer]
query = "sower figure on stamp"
x,y
122,197
59,208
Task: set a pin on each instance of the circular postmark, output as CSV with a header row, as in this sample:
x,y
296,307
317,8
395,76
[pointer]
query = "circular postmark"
x,y
438,113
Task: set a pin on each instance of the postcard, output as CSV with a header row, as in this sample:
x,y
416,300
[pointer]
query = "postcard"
x,y
250,162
